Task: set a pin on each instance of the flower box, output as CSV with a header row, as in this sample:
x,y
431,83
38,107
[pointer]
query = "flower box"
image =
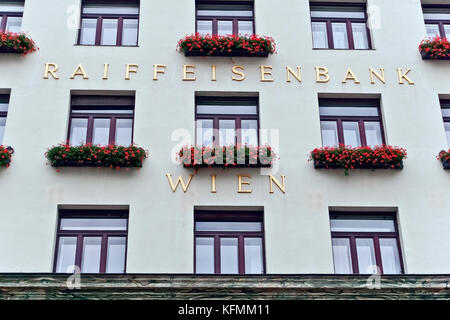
x,y
342,157
64,155
226,157
19,43
5,156
444,157
436,48
226,46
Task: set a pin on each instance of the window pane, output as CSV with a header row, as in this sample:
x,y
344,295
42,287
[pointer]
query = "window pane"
x,y
124,132
366,256
13,24
115,259
329,133
130,32
205,132
11,6
239,108
78,131
88,31
103,111
228,226
445,111
447,30
390,256
93,224
233,10
373,133
112,9
227,133
90,262
447,132
337,12
204,27
249,132
432,30
360,39
109,32
3,106
362,224
66,254
351,134
225,28
229,256
319,32
2,128
436,13
101,132
349,111
340,38
342,256
245,27
253,252
204,255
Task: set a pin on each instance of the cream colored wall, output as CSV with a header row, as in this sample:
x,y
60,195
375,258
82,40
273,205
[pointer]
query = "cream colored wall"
x,y
161,222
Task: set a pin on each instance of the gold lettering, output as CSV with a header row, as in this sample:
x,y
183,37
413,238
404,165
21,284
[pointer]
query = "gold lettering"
x,y
156,70
297,76
402,75
350,76
79,71
129,70
213,183
322,72
186,72
241,182
179,181
52,71
213,72
373,73
281,186
105,71
265,73
239,73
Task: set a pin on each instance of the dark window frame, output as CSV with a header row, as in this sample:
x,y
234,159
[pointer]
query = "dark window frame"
x,y
230,216
347,21
446,120
215,19
80,234
4,114
217,117
369,235
100,17
440,23
359,119
92,116
4,15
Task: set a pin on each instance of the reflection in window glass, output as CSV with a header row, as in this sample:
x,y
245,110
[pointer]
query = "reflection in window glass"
x,y
329,133
115,259
228,226
227,133
204,27
109,9
360,36
225,28
2,128
88,31
109,32
249,132
351,134
362,224
245,27
340,38
130,32
447,132
229,255
342,256
390,256
100,135
373,134
66,254
78,131
90,262
432,30
13,24
447,30
107,224
205,132
124,132
204,255
366,256
253,252
319,32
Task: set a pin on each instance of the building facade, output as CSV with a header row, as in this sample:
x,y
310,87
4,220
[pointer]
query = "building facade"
x,y
108,72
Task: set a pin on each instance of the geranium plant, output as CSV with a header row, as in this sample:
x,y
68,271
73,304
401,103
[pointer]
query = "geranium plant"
x,y
233,45
65,155
16,43
5,156
444,157
379,157
435,48
226,156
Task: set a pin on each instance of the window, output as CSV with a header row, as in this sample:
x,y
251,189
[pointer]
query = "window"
x,y
437,21
445,108
4,103
95,241
362,241
225,121
11,16
225,18
339,27
101,120
110,23
229,243
355,122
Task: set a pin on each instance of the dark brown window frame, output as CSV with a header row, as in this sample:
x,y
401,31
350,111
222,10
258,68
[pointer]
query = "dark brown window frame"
x,y
80,234
347,21
440,23
100,17
237,117
230,216
359,119
4,114
215,19
5,15
92,116
369,235
445,119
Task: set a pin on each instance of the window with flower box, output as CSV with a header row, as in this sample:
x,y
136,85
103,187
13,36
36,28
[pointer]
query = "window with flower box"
x,y
4,104
11,16
93,240
101,120
225,18
437,21
339,26
229,243
445,109
226,121
363,242
109,22
351,122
